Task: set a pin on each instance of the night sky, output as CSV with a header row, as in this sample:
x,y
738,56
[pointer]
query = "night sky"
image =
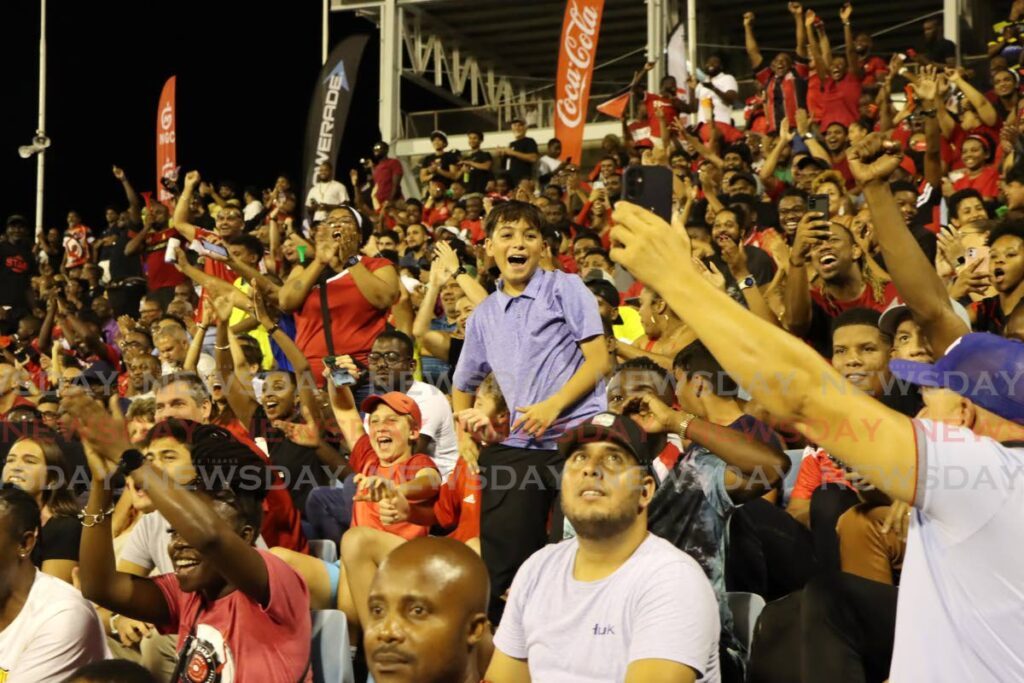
x,y
245,73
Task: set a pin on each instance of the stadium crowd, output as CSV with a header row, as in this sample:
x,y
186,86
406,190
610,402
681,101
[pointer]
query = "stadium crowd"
x,y
519,427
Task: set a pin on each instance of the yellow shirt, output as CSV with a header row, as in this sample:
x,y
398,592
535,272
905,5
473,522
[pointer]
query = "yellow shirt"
x,y
631,328
259,334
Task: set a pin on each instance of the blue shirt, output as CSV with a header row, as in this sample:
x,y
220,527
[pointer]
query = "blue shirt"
x,y
435,370
531,343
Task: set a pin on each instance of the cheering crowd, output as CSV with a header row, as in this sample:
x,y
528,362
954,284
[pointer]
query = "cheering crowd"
x,y
521,427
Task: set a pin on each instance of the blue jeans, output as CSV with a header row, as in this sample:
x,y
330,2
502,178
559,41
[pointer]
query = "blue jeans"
x,y
329,510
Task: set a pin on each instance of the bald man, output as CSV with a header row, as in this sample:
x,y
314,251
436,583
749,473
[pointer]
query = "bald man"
x,y
428,614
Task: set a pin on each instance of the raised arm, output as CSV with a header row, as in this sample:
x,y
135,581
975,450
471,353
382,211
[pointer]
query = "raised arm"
x,y
797,10
772,162
135,244
753,51
343,405
134,205
852,59
915,278
815,46
812,229
986,112
927,91
125,594
182,213
782,373
231,365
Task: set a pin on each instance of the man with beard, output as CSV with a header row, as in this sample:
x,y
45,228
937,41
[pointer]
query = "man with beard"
x,y
417,246
720,88
594,607
161,277
326,194
387,174
19,267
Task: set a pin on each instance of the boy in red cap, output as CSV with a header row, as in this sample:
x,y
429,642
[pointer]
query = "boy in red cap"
x,y
383,460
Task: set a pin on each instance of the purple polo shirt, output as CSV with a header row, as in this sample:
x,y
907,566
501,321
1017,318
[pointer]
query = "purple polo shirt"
x,y
532,345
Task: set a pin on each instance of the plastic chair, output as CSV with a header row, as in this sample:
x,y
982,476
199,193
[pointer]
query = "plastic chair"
x,y
324,549
330,651
745,608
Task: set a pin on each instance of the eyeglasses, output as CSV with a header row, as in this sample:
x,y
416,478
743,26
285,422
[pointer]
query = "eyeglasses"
x,y
390,357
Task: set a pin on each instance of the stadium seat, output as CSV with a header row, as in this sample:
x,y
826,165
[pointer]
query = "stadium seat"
x,y
324,549
745,608
331,652
796,455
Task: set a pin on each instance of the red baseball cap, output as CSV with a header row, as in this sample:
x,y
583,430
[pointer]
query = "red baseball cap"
x,y
398,402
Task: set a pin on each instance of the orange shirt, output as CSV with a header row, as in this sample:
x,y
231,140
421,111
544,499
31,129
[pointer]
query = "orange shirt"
x,y
364,460
458,503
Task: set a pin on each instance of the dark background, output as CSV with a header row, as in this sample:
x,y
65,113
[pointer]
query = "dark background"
x,y
245,75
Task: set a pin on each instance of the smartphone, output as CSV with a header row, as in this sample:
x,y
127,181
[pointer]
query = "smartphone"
x,y
340,376
649,187
214,251
818,203
173,245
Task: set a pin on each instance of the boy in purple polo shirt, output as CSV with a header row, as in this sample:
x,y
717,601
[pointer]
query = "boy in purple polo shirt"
x,y
541,335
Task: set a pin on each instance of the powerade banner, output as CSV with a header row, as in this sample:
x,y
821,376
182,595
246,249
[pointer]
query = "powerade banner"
x,y
580,29
166,154
332,97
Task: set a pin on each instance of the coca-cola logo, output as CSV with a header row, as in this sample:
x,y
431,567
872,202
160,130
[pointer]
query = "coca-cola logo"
x,y
579,44
166,117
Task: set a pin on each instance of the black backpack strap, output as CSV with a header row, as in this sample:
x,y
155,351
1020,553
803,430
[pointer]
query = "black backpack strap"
x,y
325,310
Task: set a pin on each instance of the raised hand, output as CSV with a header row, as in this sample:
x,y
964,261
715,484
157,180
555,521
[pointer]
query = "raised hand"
x,y
796,9
811,231
845,12
305,433
950,245
809,18
224,305
192,179
119,173
969,280
647,246
874,158
927,86
734,256
445,262
748,18
710,272
104,434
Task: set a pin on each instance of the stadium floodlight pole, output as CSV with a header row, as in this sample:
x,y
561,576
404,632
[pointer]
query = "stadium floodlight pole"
x,y
41,140
691,34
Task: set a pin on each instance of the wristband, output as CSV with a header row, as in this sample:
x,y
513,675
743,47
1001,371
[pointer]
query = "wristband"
x,y
272,330
461,271
90,520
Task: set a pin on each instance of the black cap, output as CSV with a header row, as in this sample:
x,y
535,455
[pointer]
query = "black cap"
x,y
810,160
439,134
17,219
612,428
607,291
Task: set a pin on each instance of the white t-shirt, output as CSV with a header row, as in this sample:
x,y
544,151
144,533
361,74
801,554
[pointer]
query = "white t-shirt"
x,y
657,605
252,209
547,165
56,632
332,192
960,614
723,112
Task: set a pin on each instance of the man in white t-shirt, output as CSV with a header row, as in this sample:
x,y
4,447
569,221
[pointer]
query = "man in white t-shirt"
x,y
616,603
960,603
47,629
326,194
550,162
392,364
720,88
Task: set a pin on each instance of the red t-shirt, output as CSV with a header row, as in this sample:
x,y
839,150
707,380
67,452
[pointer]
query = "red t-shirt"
x,y
355,323
987,182
653,103
816,469
865,300
839,100
436,215
874,68
158,273
458,503
386,173
959,135
475,230
364,460
237,639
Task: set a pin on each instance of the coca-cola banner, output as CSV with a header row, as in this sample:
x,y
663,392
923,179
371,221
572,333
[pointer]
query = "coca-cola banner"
x,y
166,155
580,30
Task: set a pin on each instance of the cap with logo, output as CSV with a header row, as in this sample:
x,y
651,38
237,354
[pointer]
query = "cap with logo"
x,y
616,429
398,402
986,368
